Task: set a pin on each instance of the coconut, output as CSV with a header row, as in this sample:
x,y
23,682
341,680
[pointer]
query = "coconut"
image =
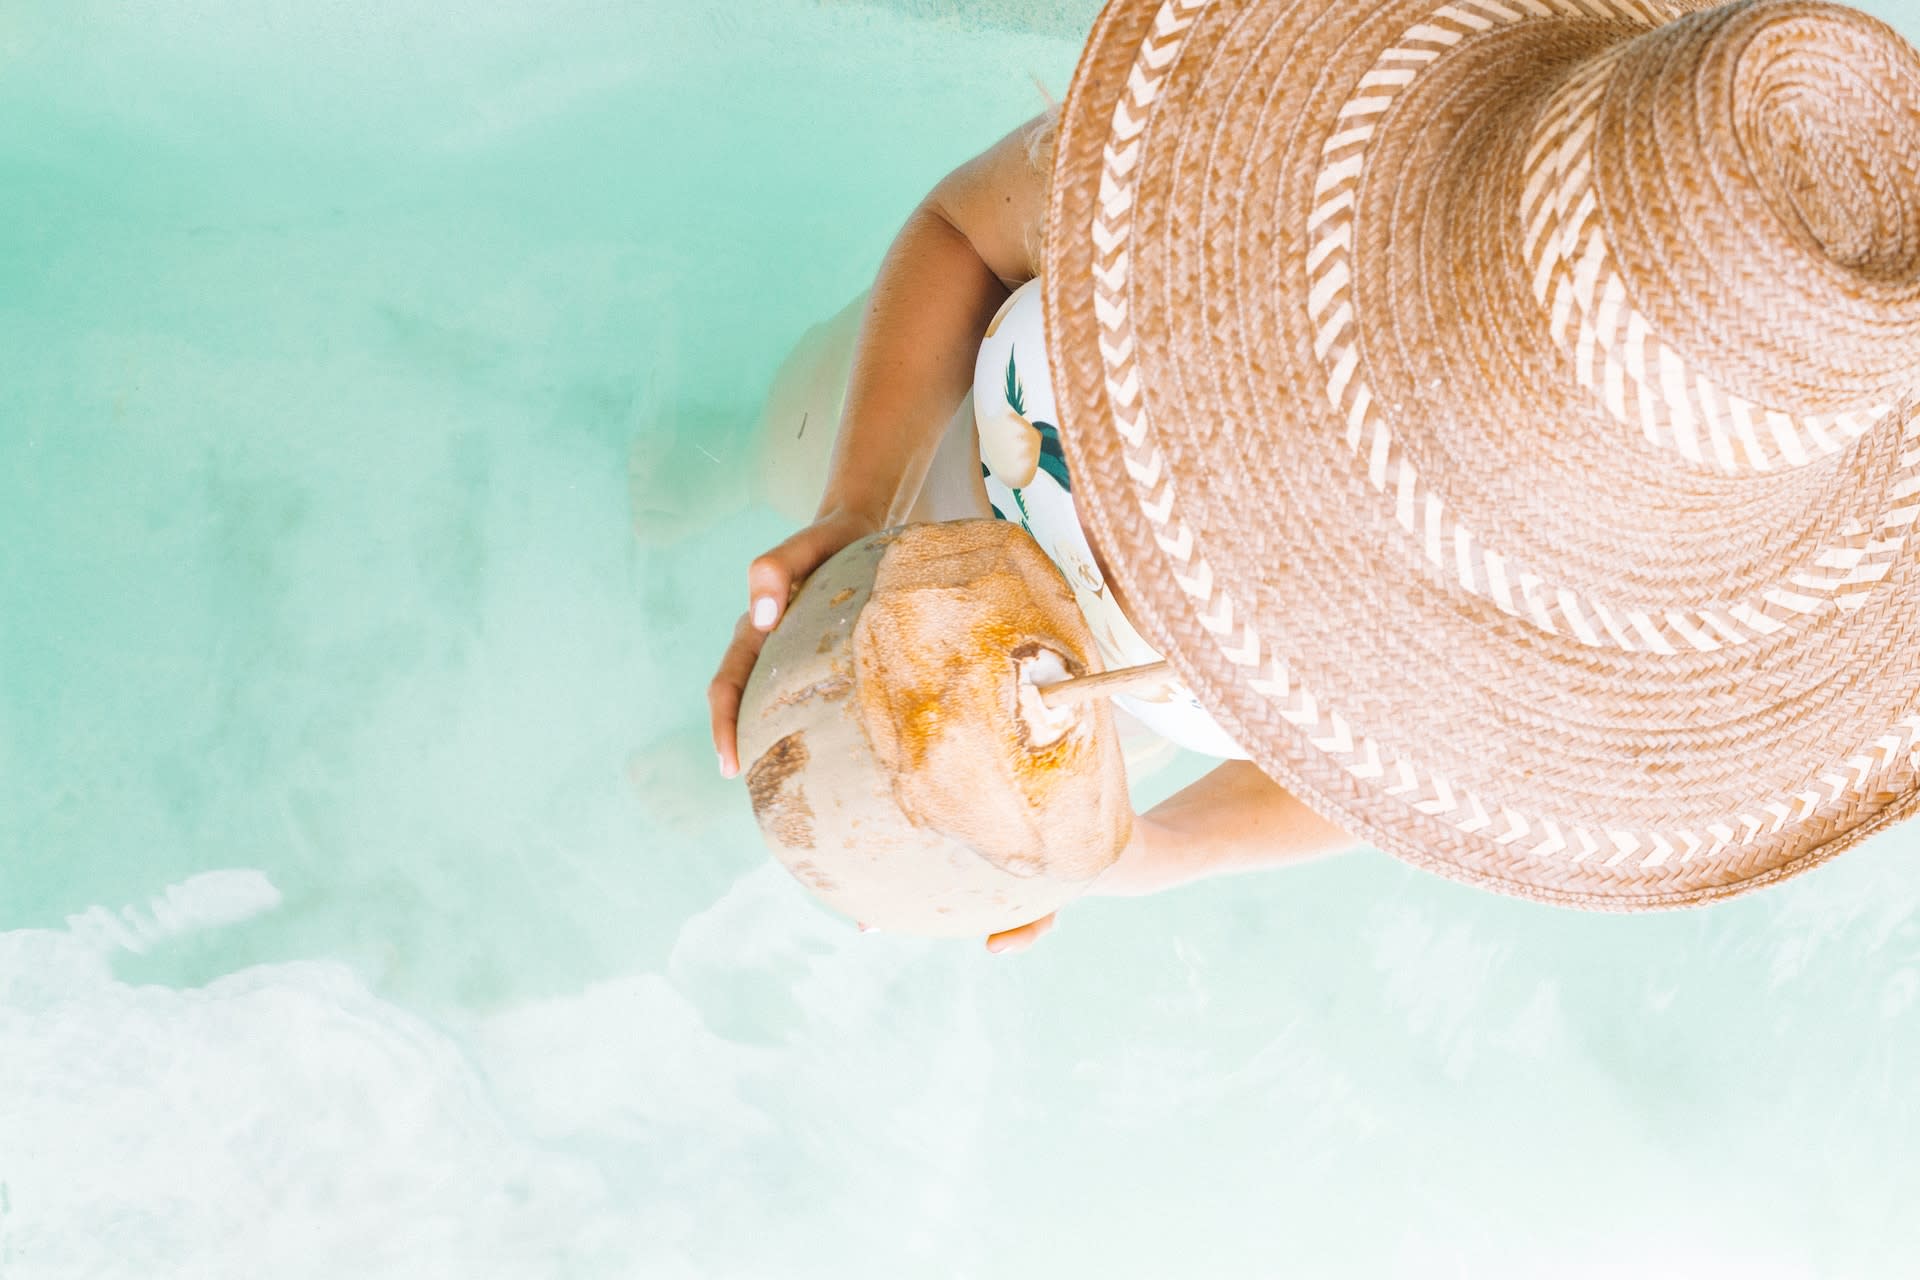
x,y
901,760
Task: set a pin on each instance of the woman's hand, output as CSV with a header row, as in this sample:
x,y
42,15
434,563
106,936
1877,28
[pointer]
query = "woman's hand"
x,y
1023,937
772,580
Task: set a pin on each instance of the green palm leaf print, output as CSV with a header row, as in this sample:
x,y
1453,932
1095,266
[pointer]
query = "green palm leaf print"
x,y
1052,459
1015,397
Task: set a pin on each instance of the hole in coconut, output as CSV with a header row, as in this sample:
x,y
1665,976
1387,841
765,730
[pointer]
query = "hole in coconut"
x,y
1044,725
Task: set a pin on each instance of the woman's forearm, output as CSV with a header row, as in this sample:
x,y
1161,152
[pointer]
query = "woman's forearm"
x,y
912,365
1232,820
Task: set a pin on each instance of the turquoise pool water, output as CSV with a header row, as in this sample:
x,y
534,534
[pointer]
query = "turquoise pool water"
x,y
376,388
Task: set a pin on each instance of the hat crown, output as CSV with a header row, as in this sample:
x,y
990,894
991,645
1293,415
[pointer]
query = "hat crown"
x,y
1734,198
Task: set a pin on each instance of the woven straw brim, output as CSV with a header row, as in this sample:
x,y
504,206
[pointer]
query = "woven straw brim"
x,y
1500,415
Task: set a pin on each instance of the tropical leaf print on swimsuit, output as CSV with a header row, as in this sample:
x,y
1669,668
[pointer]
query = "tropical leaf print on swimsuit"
x,y
1015,449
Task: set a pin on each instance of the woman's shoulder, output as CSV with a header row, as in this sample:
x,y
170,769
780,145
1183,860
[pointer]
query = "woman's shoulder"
x,y
998,199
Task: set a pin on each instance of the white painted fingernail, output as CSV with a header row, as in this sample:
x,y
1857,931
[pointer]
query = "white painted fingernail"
x,y
763,610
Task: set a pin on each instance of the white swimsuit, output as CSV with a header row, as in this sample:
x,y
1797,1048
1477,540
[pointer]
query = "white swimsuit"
x,y
1027,481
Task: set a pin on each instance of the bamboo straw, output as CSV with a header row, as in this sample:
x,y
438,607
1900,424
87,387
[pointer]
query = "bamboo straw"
x,y
1071,693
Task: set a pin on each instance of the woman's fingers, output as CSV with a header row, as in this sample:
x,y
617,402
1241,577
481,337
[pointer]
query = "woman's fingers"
x,y
771,577
769,580
1023,937
723,693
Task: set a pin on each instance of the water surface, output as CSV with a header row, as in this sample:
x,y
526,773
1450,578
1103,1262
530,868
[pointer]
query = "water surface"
x,y
378,385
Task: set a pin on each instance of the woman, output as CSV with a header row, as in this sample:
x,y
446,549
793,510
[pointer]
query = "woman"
x,y
1504,412
904,452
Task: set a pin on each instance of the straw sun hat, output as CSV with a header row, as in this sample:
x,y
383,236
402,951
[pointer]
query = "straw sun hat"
x,y
1501,413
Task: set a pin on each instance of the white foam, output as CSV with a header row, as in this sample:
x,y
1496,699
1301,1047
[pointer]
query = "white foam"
x,y
205,901
285,1121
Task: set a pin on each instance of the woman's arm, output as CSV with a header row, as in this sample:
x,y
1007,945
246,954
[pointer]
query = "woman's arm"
x,y
964,248
1232,820
960,253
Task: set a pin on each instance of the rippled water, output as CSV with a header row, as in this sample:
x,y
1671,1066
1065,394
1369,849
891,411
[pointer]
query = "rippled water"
x,y
376,392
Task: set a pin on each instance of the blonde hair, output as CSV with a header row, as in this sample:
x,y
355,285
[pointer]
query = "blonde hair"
x,y
1040,152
